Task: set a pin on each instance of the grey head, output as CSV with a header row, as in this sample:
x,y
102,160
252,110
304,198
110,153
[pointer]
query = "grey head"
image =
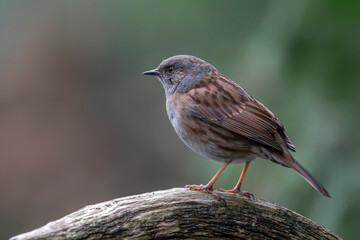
x,y
181,72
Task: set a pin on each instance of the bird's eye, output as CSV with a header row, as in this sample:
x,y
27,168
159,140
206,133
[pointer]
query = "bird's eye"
x,y
171,69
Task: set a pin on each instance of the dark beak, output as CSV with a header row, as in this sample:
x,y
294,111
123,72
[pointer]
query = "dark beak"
x,y
154,72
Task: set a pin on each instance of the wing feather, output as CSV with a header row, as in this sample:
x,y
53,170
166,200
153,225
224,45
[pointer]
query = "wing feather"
x,y
229,106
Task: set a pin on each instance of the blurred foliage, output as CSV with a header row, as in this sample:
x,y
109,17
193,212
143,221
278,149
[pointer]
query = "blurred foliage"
x,y
80,124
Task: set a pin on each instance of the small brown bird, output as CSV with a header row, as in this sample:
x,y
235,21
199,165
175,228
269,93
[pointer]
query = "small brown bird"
x,y
218,119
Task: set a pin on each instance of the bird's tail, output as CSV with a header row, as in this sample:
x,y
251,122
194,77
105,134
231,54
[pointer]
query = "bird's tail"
x,y
286,159
308,177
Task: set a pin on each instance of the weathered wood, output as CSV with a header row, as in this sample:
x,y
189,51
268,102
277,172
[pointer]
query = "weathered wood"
x,y
181,213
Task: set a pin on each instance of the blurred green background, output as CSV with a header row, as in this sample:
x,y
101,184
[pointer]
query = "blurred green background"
x,y
79,123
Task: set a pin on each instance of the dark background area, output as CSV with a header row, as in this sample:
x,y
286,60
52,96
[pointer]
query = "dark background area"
x,y
79,123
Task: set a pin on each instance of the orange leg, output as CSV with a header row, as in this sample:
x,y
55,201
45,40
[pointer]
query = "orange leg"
x,y
238,185
209,186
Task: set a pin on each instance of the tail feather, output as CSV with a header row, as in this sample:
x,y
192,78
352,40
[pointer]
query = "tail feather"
x,y
285,158
308,177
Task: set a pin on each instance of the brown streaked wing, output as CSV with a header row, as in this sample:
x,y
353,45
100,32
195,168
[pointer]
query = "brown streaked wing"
x,y
226,104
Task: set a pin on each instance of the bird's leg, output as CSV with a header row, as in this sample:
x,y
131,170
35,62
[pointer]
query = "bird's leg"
x,y
209,186
238,185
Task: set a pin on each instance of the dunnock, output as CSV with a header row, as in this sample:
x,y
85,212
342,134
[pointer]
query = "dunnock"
x,y
218,119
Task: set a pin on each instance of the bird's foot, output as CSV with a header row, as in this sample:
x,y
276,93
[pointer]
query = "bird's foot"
x,y
238,191
208,189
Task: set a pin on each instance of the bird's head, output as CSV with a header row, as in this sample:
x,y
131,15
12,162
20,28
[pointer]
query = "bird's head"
x,y
180,73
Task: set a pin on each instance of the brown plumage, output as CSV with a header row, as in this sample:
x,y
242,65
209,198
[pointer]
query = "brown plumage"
x,y
218,119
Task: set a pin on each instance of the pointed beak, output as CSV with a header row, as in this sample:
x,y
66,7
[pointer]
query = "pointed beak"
x,y
154,72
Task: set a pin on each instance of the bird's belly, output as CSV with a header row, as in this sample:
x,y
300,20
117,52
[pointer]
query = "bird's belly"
x,y
202,139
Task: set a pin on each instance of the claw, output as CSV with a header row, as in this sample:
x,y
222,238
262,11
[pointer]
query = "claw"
x,y
217,196
251,196
246,194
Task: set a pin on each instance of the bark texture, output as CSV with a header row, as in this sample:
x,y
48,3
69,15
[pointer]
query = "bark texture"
x,y
182,214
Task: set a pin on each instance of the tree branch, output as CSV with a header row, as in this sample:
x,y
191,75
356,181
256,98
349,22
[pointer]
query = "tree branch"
x,y
181,213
